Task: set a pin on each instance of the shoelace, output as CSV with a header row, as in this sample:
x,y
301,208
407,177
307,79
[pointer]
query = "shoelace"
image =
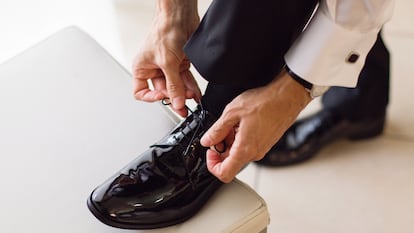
x,y
199,121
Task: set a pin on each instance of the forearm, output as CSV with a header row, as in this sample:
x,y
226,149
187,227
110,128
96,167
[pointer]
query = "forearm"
x,y
172,14
161,60
173,6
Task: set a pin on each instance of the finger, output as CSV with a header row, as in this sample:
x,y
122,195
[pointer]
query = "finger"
x,y
149,96
220,130
159,85
175,88
193,90
182,112
226,144
139,85
142,91
214,161
147,73
225,169
220,148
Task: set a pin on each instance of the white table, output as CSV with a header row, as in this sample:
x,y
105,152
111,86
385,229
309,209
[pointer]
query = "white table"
x,y
68,121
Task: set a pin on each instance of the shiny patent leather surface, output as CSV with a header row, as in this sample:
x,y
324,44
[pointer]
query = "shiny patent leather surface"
x,y
305,137
165,185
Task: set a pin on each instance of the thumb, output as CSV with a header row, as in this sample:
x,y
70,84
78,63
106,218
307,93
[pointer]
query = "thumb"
x,y
225,169
175,88
217,133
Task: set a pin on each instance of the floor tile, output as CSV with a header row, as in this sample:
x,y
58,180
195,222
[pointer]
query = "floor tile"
x,y
401,109
402,19
249,175
359,187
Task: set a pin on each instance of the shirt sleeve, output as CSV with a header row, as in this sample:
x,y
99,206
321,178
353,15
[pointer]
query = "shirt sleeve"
x,y
332,49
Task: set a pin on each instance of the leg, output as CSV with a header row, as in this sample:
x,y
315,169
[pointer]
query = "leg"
x,y
240,44
370,98
355,113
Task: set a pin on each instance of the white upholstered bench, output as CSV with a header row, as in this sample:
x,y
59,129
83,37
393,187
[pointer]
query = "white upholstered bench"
x,y
67,122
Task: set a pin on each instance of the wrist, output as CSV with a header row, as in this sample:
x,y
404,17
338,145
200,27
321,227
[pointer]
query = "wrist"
x,y
285,85
314,90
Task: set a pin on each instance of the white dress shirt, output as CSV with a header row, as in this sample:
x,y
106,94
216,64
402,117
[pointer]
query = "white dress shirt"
x,y
338,30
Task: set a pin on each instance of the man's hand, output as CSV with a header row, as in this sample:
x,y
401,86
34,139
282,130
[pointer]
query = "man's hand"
x,y
252,123
162,61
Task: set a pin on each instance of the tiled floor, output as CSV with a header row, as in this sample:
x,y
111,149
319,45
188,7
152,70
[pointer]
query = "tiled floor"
x,y
362,186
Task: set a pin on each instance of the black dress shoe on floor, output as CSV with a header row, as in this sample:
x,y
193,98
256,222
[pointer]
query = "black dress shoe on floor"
x,y
165,185
307,136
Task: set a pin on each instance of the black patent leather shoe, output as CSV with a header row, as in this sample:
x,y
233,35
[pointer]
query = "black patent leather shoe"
x,y
165,185
306,137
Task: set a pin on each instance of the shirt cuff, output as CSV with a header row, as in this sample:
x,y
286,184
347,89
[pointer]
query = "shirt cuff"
x,y
327,54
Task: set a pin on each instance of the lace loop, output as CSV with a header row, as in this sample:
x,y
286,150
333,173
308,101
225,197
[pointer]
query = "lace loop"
x,y
166,101
183,131
221,149
199,123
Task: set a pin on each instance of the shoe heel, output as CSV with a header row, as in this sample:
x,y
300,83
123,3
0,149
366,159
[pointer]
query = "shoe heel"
x,y
368,130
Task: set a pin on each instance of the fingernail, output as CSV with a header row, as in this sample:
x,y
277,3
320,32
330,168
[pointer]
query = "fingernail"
x,y
178,102
205,141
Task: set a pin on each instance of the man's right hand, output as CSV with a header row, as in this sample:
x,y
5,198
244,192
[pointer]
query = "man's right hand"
x,y
162,61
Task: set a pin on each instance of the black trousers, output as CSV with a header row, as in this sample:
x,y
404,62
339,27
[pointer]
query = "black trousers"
x,y
240,45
